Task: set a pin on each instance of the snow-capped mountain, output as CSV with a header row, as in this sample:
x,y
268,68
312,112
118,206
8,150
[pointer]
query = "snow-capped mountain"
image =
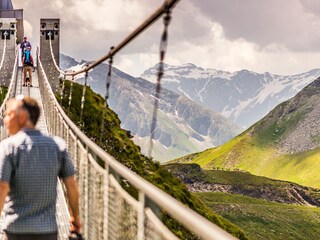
x,y
183,126
244,96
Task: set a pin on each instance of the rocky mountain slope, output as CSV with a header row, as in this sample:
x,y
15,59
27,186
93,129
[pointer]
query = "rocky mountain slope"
x,y
244,183
263,207
183,126
243,96
283,145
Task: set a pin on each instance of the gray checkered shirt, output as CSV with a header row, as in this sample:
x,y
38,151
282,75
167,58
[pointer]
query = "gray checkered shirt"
x,y
31,162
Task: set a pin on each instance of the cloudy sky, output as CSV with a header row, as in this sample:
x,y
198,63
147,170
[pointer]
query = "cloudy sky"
x,y
278,36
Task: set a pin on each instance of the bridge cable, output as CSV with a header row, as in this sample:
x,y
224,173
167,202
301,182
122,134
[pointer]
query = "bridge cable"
x,y
70,94
108,82
83,97
52,55
21,80
62,89
2,59
163,49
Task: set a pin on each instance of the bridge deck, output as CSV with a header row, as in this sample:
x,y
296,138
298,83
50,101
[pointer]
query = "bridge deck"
x,y
62,209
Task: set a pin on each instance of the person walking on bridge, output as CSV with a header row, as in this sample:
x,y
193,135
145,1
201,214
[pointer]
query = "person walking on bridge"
x,y
27,67
24,44
30,163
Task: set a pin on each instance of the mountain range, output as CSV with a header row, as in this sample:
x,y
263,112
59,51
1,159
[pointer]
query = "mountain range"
x,y
243,96
183,126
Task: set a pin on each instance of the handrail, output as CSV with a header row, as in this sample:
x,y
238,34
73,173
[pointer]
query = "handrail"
x,y
168,5
190,219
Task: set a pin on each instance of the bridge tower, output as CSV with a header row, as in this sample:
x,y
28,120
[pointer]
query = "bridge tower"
x,y
8,38
11,32
50,28
7,11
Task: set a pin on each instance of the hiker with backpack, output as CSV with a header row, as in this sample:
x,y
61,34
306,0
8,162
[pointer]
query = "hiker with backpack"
x,y
27,66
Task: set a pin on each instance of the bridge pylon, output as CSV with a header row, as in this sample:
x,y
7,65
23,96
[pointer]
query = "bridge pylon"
x,y
50,28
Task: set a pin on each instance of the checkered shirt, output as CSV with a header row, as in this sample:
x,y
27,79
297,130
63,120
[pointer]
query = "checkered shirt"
x,y
31,162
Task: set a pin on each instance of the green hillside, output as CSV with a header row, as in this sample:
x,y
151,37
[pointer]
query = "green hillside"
x,y
283,145
3,93
245,183
262,219
264,208
117,142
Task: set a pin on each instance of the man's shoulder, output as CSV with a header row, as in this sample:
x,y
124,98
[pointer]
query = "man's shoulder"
x,y
12,142
21,136
15,139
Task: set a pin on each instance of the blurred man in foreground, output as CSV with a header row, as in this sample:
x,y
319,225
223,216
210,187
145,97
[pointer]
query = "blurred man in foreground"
x,y
30,163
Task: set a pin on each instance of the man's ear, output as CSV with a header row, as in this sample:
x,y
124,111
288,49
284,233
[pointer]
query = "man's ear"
x,y
23,117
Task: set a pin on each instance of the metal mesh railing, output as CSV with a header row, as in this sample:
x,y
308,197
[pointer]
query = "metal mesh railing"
x,y
11,92
107,211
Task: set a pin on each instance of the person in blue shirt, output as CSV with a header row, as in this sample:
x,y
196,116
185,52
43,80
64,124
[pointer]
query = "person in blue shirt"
x,y
30,164
25,44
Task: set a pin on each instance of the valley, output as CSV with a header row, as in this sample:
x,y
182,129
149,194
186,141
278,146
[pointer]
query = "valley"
x,y
264,208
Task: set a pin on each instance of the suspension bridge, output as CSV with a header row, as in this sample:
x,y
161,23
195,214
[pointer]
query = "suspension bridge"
x,y
107,210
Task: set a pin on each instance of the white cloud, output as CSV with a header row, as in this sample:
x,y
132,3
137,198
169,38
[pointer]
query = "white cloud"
x,y
209,33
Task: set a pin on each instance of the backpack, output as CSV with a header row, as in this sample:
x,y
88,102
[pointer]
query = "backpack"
x,y
27,59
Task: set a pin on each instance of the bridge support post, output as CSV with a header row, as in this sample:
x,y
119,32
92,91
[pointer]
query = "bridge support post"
x,y
50,28
141,216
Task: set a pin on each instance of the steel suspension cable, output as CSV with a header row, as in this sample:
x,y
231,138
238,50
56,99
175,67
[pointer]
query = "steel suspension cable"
x,y
83,98
2,59
62,90
70,94
108,82
52,55
163,49
168,5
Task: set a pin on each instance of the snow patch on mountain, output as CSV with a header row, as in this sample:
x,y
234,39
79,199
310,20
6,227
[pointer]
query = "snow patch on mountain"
x,y
243,96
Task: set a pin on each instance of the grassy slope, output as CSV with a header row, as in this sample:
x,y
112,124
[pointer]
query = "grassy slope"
x,y
255,150
266,220
117,142
243,153
3,93
244,183
260,219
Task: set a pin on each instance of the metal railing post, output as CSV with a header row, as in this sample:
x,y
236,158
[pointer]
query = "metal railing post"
x,y
106,204
86,194
141,229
